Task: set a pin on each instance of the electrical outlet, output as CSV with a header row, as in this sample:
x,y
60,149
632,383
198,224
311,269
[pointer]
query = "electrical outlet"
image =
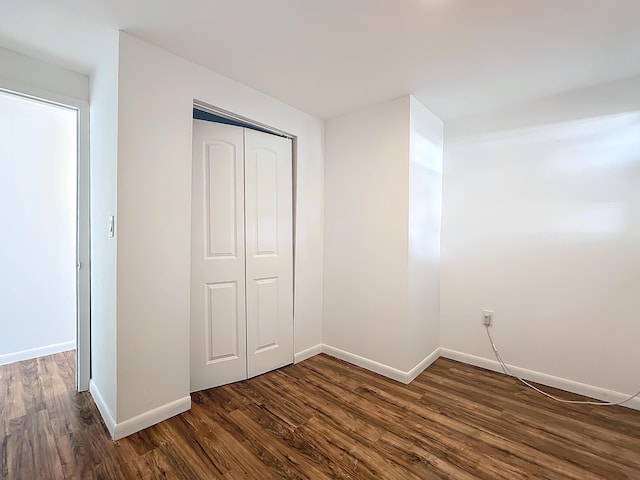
x,y
487,318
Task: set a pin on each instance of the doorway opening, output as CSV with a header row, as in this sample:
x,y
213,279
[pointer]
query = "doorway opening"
x,y
44,249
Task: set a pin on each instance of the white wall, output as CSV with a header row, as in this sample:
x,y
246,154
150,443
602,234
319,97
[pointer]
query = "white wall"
x,y
156,91
541,223
425,213
382,236
38,150
366,223
103,171
19,71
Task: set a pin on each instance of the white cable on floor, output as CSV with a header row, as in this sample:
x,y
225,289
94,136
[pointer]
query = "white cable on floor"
x,y
508,371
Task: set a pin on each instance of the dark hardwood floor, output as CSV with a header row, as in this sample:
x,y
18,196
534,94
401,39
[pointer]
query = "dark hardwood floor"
x,y
322,418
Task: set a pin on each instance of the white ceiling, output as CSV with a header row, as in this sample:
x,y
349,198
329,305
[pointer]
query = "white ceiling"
x,y
330,57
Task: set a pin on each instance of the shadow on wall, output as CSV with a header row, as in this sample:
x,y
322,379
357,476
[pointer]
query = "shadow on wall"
x,y
542,225
569,181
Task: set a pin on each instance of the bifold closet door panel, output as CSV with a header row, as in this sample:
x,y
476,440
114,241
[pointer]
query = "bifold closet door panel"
x,y
218,315
269,251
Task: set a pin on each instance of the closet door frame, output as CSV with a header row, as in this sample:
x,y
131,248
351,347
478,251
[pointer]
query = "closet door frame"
x,y
240,121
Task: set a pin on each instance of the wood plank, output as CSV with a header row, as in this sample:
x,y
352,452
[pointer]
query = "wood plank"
x,y
423,463
11,392
269,444
367,462
32,394
322,418
311,458
151,465
574,421
191,448
32,451
228,454
375,403
4,440
75,460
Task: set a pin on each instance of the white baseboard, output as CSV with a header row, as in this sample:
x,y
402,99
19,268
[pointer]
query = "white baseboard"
x,y
147,419
380,368
152,417
36,352
422,366
135,424
308,353
104,410
544,379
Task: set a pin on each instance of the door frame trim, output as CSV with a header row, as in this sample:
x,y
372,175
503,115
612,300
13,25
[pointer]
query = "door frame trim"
x,y
239,118
83,220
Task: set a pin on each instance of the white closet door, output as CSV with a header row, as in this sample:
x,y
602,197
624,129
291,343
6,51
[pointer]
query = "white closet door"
x,y
218,316
269,251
